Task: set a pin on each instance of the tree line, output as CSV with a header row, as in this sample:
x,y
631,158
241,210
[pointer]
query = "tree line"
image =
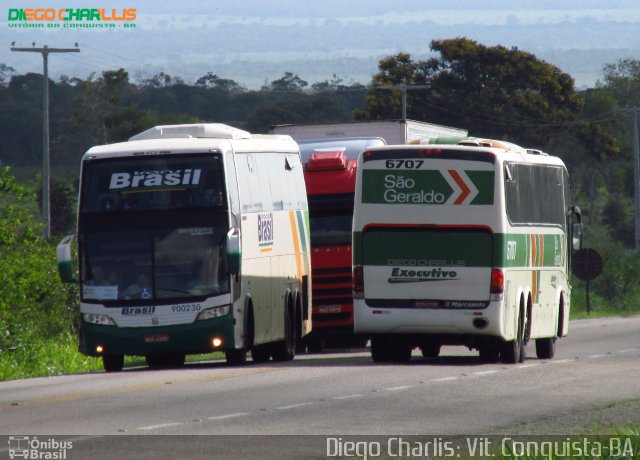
x,y
492,91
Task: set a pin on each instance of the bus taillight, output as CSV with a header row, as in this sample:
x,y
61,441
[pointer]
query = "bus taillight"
x,y
497,281
358,282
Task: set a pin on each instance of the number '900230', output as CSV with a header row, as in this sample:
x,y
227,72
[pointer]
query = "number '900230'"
x,y
185,308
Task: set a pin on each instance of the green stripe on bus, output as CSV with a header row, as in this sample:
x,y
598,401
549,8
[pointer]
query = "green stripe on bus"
x,y
427,248
509,250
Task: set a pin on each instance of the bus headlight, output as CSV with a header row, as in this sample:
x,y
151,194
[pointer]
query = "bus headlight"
x,y
211,313
102,320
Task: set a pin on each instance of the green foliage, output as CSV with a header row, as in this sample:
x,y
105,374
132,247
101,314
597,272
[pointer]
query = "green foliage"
x,y
493,92
35,307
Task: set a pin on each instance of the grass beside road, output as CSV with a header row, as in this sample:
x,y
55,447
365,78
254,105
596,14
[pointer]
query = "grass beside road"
x,y
59,355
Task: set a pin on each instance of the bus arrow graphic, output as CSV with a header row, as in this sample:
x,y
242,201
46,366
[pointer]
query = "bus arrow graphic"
x,y
465,191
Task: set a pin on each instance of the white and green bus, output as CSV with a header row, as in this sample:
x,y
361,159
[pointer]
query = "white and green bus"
x,y
191,239
462,242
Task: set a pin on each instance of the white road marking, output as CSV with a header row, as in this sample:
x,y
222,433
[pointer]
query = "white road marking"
x,y
162,425
400,388
527,366
294,406
348,397
485,372
445,379
222,417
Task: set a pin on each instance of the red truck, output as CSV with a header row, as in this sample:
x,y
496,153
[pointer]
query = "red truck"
x,y
330,174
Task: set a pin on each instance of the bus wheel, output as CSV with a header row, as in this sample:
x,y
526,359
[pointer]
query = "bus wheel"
x,y
511,352
260,353
430,350
546,348
113,363
286,349
379,350
236,357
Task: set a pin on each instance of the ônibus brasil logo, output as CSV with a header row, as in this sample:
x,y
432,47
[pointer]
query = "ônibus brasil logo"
x,y
71,17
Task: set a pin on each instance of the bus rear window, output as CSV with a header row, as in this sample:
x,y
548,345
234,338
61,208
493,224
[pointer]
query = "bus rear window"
x,y
117,185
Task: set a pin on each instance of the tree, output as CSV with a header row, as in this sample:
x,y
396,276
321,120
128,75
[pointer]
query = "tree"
x,y
212,81
288,82
491,91
622,78
5,72
162,80
123,123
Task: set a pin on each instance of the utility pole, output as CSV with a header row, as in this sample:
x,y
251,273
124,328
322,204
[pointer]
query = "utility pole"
x,y
635,151
403,88
45,51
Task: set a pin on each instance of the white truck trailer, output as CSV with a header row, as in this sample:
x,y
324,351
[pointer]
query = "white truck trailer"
x,y
392,131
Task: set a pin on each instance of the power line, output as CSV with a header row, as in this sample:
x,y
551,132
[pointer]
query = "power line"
x,y
46,182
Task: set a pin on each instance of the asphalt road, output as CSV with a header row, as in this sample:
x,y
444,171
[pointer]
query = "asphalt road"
x,y
327,395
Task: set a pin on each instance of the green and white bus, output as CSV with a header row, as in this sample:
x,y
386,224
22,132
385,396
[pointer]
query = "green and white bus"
x,y
192,239
462,242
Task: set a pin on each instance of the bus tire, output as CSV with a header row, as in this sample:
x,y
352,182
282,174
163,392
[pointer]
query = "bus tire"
x,y
546,348
112,363
261,353
511,352
236,356
379,350
430,350
285,350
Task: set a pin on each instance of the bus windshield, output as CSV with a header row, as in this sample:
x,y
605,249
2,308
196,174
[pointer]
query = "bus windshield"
x,y
153,229
160,263
330,219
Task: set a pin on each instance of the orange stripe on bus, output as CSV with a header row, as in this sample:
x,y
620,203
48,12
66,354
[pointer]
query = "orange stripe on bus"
x,y
296,244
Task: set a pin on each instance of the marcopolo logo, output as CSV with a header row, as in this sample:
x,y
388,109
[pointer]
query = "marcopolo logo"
x,y
155,179
71,17
402,275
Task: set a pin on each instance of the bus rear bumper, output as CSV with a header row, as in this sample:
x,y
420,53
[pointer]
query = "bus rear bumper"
x,y
380,320
98,340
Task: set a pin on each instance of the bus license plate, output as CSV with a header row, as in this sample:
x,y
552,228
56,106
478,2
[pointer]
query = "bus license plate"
x,y
156,338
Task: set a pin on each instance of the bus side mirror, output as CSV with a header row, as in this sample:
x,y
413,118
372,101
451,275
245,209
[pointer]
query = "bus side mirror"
x,y
234,252
576,236
65,261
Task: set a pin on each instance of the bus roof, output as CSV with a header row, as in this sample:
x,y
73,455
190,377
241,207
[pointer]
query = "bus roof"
x,y
201,137
501,150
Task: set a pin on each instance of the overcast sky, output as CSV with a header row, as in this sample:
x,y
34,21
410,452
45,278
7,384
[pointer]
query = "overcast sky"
x,y
254,41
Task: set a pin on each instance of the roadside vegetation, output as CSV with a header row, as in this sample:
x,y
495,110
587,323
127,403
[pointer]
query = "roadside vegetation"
x,y
490,91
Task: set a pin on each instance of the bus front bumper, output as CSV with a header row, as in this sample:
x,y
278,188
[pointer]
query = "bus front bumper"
x,y
98,340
